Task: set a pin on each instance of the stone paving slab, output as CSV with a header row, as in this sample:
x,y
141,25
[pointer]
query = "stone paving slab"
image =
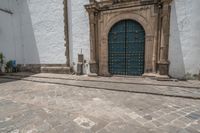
x,y
39,107
118,79
182,92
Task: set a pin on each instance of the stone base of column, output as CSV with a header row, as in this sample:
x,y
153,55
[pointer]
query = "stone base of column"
x,y
93,69
163,78
163,68
149,75
157,76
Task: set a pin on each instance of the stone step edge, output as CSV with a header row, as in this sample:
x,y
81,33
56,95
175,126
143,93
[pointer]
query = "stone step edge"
x,y
58,70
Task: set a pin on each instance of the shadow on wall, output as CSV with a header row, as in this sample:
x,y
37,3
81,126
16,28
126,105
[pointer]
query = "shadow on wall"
x,y
17,40
6,34
177,67
29,46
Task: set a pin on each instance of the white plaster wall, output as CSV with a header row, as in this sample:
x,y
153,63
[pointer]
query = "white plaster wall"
x,y
78,31
6,35
184,49
12,31
34,33
48,25
25,44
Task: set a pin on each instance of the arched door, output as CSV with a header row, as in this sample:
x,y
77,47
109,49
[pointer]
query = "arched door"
x,y
126,48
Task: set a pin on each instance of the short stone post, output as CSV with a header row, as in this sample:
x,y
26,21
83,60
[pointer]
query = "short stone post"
x,y
80,64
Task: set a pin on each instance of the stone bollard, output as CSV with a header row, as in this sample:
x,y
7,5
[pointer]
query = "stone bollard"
x,y
80,64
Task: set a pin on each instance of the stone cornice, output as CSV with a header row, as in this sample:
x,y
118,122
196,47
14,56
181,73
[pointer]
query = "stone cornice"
x,y
166,1
95,6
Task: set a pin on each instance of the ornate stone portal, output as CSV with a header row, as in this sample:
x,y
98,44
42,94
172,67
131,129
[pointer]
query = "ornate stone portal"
x,y
153,15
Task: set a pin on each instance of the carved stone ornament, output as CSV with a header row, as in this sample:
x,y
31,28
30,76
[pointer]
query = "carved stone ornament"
x,y
152,15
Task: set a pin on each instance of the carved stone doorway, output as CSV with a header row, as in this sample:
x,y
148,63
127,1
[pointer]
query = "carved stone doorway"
x,y
126,41
152,15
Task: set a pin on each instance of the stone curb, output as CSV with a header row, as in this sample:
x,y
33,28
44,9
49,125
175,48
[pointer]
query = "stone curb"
x,y
105,88
106,81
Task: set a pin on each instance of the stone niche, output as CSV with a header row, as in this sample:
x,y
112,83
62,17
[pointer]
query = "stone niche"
x,y
153,15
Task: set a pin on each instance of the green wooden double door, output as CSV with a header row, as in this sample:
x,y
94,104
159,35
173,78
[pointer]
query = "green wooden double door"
x,y
126,47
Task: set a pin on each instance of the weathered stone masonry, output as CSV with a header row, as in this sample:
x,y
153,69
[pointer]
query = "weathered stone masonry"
x,y
153,15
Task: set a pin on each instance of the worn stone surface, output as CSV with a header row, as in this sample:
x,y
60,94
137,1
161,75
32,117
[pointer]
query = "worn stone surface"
x,y
104,14
38,107
190,89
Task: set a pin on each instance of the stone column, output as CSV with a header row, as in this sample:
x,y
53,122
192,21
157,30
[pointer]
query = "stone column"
x,y
163,64
92,18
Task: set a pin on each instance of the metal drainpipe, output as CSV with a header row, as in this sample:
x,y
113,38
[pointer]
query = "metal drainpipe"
x,y
66,27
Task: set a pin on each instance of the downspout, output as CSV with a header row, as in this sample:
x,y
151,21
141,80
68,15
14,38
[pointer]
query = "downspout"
x,y
66,32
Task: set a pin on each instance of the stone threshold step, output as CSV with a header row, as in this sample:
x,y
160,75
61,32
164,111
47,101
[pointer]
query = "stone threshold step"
x,y
56,69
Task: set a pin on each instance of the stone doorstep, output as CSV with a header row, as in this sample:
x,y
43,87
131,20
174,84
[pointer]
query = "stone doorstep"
x,y
92,75
56,69
158,77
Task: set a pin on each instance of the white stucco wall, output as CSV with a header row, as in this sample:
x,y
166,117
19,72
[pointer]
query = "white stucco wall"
x,y
78,31
48,26
8,29
184,48
5,34
34,33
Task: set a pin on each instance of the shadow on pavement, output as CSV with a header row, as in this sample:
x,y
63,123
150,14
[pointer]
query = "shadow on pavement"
x,y
5,78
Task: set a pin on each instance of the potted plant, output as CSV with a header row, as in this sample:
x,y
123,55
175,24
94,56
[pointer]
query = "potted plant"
x,y
1,61
9,66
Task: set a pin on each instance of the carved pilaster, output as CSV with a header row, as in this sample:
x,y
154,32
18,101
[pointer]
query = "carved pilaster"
x,y
92,11
163,64
153,15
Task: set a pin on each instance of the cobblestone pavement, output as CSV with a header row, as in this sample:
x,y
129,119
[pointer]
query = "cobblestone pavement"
x,y
46,106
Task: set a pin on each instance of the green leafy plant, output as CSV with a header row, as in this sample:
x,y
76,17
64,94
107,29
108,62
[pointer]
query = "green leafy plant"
x,y
1,61
1,58
9,66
